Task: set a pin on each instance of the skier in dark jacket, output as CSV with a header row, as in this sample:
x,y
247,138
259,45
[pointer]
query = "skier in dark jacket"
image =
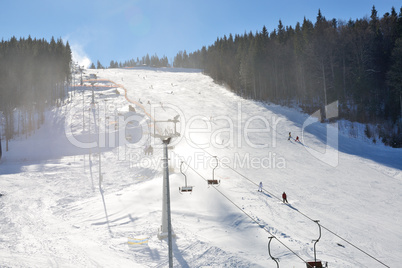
x,y
284,197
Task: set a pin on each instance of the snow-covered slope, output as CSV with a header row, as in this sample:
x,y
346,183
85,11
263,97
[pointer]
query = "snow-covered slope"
x,y
53,212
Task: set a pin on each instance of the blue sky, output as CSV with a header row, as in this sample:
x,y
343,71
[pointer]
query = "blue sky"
x,y
121,29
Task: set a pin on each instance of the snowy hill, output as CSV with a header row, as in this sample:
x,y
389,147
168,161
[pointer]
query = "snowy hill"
x,y
56,212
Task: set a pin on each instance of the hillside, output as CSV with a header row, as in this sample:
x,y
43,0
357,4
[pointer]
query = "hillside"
x,y
55,212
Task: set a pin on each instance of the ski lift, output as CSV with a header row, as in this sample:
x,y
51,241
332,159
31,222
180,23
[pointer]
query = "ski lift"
x,y
276,260
213,181
185,188
316,263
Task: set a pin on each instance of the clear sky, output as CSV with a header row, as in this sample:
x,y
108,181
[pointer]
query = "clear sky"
x,y
124,29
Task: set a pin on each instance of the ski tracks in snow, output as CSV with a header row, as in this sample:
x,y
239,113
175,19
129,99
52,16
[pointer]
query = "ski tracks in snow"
x,y
36,237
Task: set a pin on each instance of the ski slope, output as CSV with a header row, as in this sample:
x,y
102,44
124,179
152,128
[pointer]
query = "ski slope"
x,y
55,212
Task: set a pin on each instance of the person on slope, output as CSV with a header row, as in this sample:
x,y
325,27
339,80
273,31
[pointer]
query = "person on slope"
x,y
284,198
260,187
149,150
290,135
297,139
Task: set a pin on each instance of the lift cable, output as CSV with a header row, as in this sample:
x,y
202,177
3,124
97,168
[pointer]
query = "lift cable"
x,y
298,211
248,215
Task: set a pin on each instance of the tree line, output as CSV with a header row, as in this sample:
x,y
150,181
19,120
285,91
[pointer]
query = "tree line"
x,y
357,62
153,61
34,74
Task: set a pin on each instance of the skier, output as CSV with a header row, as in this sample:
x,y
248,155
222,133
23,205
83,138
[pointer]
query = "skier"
x,y
297,139
284,197
260,187
149,150
290,135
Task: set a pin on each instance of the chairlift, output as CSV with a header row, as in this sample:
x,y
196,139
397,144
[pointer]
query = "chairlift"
x,y
185,188
316,263
213,181
276,260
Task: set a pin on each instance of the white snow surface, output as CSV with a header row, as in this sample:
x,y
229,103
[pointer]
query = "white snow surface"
x,y
54,211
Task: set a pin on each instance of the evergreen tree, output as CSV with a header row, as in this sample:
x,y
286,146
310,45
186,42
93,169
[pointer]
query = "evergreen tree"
x,y
355,62
99,65
35,75
395,80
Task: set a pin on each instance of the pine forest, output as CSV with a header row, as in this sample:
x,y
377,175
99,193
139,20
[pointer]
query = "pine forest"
x,y
357,63
34,75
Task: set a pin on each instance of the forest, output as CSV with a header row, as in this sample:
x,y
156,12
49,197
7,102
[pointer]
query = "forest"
x,y
153,61
357,63
34,74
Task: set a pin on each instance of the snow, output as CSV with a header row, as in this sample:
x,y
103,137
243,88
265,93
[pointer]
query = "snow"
x,y
53,212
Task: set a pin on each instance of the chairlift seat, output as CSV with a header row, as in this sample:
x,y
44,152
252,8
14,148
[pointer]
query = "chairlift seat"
x,y
213,182
186,189
314,264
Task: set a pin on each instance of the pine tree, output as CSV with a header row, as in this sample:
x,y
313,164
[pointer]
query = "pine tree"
x,y
355,62
394,76
34,74
99,65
